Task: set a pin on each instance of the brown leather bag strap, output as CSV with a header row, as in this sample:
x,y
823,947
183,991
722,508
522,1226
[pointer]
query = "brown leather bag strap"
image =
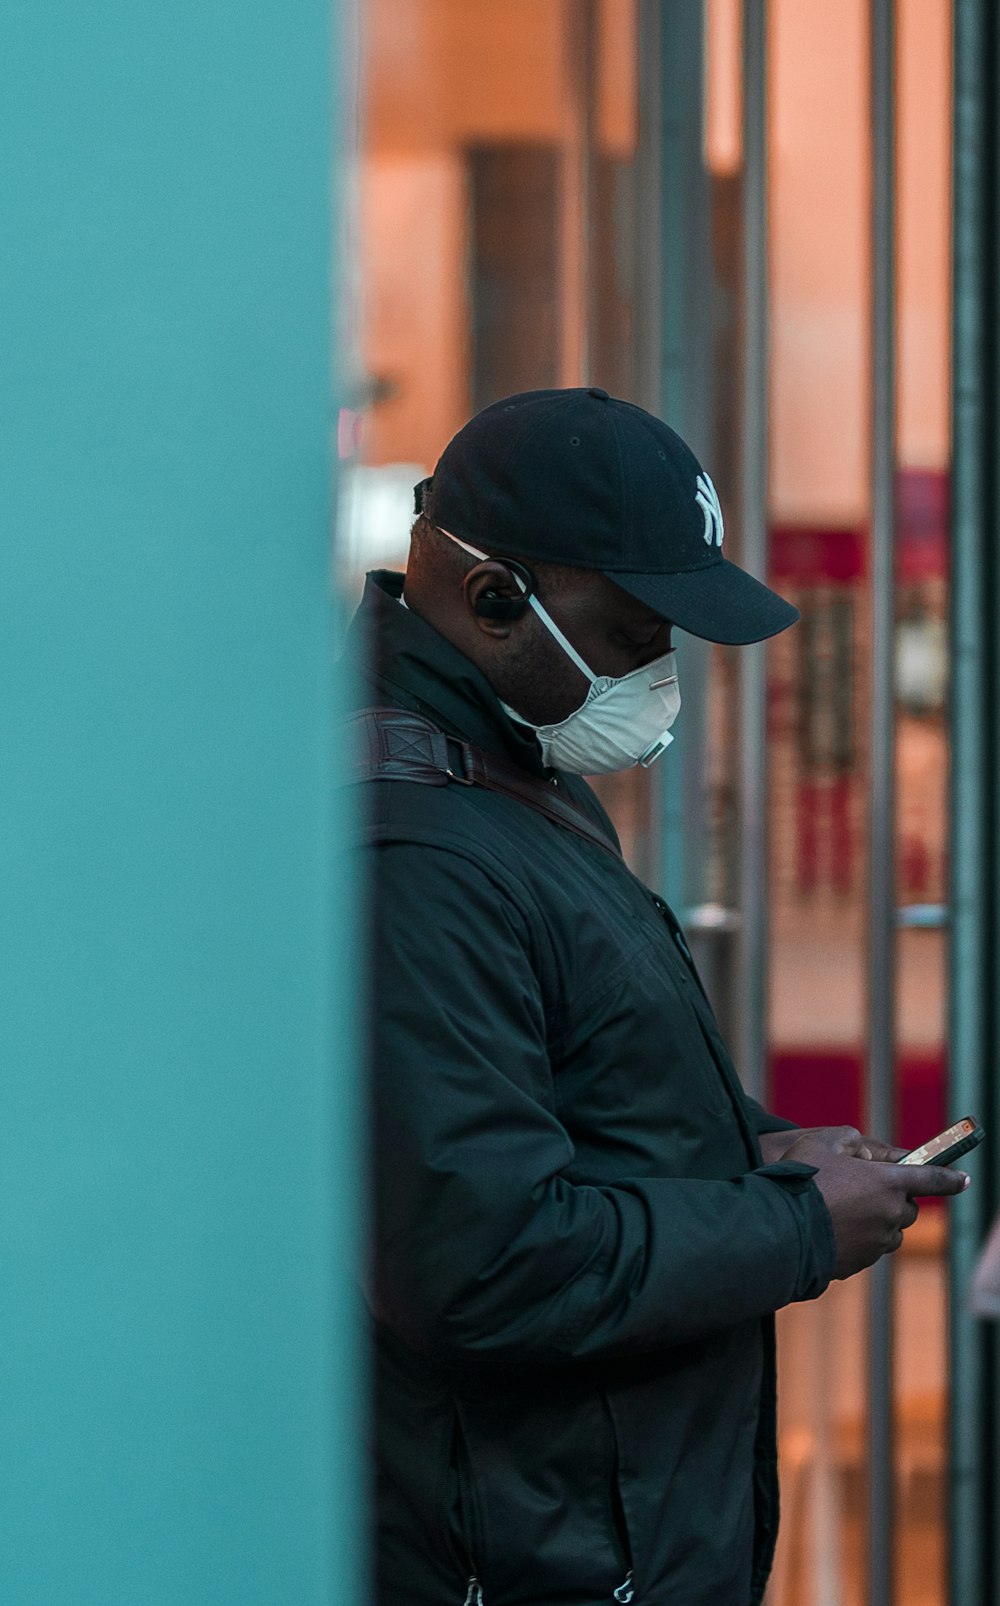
x,y
392,744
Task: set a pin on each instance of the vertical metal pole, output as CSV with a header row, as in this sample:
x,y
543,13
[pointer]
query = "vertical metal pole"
x,y
753,858
577,22
973,736
674,253
647,242
882,899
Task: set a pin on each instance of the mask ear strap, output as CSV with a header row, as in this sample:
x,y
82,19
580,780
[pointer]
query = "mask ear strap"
x,y
566,646
489,605
546,618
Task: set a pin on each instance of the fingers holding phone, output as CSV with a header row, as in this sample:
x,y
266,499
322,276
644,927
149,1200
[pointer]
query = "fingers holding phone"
x,y
933,1181
872,1202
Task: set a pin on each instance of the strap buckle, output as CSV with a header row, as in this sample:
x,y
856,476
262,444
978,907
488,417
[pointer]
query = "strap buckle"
x,y
460,766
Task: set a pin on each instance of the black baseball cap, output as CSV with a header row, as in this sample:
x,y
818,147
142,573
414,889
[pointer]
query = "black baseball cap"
x,y
579,477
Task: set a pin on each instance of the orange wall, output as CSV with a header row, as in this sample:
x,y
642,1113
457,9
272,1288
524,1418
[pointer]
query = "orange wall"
x,y
442,74
414,319
819,242
820,234
723,85
446,73
924,110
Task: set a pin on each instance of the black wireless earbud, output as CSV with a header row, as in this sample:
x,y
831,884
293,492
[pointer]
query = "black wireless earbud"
x,y
490,605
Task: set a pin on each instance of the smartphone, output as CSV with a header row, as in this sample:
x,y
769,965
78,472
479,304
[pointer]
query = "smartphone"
x,y
947,1146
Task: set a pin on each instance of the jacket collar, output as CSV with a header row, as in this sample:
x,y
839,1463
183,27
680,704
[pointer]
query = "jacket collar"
x,y
404,662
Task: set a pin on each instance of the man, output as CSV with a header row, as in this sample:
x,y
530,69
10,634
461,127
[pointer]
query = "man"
x,y
582,1226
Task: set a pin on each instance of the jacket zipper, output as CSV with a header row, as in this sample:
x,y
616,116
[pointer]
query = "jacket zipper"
x,y
466,1538
626,1589
474,1594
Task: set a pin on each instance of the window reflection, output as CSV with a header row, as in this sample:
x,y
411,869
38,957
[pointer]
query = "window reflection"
x,y
501,241
820,769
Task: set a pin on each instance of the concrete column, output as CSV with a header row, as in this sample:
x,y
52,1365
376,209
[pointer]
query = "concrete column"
x,y
176,1157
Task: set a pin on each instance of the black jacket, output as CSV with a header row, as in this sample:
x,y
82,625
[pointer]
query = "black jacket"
x,y
578,1248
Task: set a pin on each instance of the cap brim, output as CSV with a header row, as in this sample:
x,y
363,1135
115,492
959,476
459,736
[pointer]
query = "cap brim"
x,y
718,602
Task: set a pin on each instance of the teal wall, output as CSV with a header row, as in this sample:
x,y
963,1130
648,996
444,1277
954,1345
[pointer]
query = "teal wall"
x,y
176,1393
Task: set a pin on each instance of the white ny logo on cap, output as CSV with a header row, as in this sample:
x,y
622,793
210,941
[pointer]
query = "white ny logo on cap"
x,y
708,501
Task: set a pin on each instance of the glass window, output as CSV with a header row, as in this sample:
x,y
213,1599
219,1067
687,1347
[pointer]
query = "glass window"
x,y
503,230
819,680
498,230
494,217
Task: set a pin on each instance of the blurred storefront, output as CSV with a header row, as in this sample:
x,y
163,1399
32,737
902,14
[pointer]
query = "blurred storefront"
x,y
680,202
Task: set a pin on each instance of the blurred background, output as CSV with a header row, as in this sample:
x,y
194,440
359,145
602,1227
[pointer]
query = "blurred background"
x,y
740,216
772,222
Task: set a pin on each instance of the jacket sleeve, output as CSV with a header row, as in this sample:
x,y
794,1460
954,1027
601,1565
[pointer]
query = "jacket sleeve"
x,y
485,1249
763,1121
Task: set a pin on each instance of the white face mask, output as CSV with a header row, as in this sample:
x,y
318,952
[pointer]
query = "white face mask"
x,y
621,721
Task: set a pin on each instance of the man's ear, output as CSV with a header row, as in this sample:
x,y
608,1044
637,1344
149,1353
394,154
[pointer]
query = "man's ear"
x,y
494,597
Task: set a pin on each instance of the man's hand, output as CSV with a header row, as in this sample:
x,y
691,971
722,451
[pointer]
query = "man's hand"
x,y
841,1139
871,1201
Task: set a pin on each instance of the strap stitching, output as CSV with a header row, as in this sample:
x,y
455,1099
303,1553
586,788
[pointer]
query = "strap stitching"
x,y
489,771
